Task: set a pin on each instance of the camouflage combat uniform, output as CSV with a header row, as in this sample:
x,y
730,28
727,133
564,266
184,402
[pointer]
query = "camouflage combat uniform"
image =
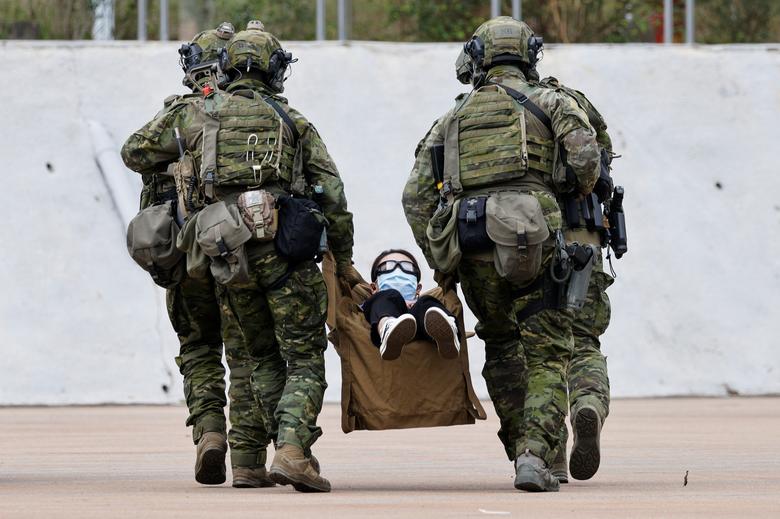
x,y
531,354
283,326
194,311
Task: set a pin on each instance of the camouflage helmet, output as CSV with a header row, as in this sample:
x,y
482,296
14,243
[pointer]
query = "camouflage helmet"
x,y
205,46
463,67
258,50
503,40
255,25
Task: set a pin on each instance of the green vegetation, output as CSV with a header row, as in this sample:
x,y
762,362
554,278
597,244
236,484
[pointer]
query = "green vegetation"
x,y
567,21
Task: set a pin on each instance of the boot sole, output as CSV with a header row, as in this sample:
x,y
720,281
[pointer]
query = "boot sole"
x,y
246,483
531,481
301,485
586,454
401,335
439,329
212,467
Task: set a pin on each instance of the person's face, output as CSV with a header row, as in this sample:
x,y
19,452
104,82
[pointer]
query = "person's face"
x,y
396,256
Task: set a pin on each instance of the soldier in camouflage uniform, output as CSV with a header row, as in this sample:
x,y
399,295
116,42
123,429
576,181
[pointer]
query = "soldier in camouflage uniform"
x,y
528,343
587,376
281,310
194,311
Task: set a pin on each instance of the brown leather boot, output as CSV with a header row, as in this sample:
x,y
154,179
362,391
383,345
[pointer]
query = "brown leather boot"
x,y
251,477
291,467
210,459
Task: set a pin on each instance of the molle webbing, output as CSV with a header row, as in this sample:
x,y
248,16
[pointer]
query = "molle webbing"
x,y
541,151
491,144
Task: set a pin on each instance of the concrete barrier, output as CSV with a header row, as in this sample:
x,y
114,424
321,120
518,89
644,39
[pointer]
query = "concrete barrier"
x,y
695,304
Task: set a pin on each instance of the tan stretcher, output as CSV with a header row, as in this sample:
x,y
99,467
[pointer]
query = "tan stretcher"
x,y
419,389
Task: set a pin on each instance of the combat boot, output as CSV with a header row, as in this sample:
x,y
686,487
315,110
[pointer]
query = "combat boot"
x,y
291,467
210,459
532,474
251,477
559,468
585,454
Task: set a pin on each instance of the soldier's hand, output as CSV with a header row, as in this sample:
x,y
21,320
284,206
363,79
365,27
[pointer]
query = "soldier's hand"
x,y
350,275
446,281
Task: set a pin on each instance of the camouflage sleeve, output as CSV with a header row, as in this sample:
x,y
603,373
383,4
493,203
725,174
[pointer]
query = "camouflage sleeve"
x,y
421,196
150,149
572,129
322,171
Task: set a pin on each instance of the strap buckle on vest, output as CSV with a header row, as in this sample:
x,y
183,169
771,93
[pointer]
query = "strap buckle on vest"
x,y
471,211
522,243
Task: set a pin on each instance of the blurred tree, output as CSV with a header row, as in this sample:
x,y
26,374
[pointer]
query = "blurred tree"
x,y
737,21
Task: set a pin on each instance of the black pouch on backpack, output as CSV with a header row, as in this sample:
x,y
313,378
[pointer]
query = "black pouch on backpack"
x,y
301,224
472,234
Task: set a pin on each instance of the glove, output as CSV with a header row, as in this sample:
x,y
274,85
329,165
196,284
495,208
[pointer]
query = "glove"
x,y
349,274
446,281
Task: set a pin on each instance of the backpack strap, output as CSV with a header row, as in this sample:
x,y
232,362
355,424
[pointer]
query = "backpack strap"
x,y
530,106
286,118
208,166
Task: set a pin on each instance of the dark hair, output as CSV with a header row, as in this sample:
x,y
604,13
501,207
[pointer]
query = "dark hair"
x,y
382,254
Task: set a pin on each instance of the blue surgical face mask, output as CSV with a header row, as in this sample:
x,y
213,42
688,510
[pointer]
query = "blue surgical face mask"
x,y
399,280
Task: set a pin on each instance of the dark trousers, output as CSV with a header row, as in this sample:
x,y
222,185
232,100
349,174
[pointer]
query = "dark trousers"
x,y
390,303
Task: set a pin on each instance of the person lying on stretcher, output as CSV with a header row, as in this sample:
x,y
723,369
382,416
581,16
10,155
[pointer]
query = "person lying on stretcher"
x,y
398,315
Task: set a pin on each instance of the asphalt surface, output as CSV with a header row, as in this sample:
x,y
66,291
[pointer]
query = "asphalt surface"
x,y
138,462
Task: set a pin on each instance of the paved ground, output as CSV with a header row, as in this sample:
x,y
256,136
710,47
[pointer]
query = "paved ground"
x,y
137,461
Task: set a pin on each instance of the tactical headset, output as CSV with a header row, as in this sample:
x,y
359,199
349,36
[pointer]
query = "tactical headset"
x,y
475,48
277,66
189,55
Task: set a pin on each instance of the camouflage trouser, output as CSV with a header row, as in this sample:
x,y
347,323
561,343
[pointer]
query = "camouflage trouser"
x,y
284,329
588,380
248,436
525,362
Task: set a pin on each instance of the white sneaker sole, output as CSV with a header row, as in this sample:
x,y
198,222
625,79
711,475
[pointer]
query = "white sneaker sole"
x,y
402,334
438,327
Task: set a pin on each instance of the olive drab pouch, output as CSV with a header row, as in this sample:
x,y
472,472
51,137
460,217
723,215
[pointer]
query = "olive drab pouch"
x,y
198,263
517,226
221,234
442,235
485,141
151,242
188,186
258,209
472,234
300,230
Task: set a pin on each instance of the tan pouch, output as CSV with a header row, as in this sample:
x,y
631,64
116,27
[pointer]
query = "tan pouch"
x,y
258,209
187,185
221,233
151,242
516,224
442,234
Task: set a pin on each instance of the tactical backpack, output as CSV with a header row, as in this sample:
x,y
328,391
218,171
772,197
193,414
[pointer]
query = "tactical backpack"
x,y
243,142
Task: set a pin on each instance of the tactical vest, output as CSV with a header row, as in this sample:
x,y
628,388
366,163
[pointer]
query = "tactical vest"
x,y
244,142
487,145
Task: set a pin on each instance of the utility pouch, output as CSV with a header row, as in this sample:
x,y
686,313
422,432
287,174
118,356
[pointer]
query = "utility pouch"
x,y
198,263
258,209
151,242
187,185
516,224
472,234
221,234
299,232
442,236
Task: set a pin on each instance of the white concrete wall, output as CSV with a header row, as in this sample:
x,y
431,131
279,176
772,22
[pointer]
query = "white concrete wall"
x,y
695,305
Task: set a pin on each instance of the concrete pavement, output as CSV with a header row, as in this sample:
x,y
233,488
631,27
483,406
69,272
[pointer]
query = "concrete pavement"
x,y
137,461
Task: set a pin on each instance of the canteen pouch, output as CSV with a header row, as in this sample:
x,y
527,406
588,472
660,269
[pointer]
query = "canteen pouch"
x,y
516,224
221,233
300,228
151,242
187,185
472,234
198,263
258,209
442,236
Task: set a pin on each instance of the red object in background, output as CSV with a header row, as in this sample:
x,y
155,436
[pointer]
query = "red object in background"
x,y
678,22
